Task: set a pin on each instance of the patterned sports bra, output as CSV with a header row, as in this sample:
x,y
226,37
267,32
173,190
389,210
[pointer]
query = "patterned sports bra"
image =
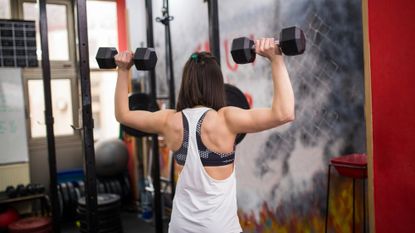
x,y
208,157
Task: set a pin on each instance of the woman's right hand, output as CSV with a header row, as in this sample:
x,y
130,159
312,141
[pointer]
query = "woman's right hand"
x,y
266,47
124,60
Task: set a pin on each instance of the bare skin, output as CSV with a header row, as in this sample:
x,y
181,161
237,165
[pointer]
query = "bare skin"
x,y
219,128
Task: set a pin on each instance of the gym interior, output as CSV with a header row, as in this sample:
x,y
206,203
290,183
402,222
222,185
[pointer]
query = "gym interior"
x,y
345,164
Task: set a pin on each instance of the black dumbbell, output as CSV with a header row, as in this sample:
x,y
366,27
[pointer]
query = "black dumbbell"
x,y
292,42
31,189
21,190
40,188
144,58
11,192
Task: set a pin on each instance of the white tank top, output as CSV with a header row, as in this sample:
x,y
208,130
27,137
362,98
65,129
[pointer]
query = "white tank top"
x,y
202,204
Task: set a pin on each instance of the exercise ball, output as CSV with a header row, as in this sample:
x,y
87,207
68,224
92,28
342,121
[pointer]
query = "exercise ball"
x,y
111,157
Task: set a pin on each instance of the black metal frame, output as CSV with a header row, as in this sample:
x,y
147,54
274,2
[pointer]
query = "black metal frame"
x,y
53,183
214,38
87,121
155,145
165,20
363,195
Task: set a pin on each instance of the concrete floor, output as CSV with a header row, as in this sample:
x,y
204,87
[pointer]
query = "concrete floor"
x,y
131,224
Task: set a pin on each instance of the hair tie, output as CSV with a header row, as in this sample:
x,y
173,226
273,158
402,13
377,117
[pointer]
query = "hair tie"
x,y
195,57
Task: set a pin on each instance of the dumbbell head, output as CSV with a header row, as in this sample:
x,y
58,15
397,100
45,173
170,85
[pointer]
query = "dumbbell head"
x,y
292,41
11,192
145,58
30,188
21,190
40,188
105,57
242,50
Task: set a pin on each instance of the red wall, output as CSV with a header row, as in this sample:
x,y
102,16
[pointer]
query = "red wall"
x,y
122,25
392,51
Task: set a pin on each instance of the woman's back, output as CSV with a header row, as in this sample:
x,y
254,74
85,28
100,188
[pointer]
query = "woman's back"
x,y
214,136
203,203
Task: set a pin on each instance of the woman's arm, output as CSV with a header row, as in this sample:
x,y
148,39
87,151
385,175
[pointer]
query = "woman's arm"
x,y
282,109
150,122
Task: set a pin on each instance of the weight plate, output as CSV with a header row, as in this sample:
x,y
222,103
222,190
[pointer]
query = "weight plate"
x,y
81,186
106,186
113,187
28,225
118,187
73,198
111,209
65,196
78,194
235,97
109,217
108,229
113,222
139,101
103,199
101,187
126,186
72,195
60,199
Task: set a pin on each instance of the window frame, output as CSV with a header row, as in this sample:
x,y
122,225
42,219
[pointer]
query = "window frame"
x,y
59,70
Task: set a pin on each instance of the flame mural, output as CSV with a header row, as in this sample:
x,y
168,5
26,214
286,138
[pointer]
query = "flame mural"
x,y
272,220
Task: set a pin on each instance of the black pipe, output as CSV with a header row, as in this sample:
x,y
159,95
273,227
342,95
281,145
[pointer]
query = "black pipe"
x,y
87,121
165,20
53,183
214,39
155,144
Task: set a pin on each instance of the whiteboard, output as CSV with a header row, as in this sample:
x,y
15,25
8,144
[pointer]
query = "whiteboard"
x,y
13,133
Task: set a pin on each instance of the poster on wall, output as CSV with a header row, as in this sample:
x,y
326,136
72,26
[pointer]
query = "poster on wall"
x,y
13,134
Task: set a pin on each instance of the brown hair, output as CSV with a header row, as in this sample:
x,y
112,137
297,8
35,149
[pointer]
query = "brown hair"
x,y
202,83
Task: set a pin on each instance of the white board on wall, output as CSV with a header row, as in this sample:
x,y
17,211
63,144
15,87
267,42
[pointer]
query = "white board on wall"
x,y
13,133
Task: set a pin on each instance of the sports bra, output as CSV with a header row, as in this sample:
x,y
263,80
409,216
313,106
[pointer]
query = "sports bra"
x,y
208,157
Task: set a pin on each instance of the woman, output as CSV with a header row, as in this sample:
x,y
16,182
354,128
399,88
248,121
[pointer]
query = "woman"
x,y
202,131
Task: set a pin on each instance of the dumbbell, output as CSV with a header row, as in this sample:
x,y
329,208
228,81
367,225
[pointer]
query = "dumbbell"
x,y
21,190
11,192
144,58
291,43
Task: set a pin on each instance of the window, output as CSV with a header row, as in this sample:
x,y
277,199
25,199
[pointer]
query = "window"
x,y
102,92
102,32
61,38
4,9
61,105
102,27
57,29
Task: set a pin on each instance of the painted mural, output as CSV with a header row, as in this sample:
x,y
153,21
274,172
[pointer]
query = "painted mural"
x,y
282,173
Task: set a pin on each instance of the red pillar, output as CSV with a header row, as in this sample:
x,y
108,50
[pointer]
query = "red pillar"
x,y
391,26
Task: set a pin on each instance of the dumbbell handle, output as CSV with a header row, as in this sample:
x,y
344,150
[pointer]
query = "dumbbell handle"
x,y
277,43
